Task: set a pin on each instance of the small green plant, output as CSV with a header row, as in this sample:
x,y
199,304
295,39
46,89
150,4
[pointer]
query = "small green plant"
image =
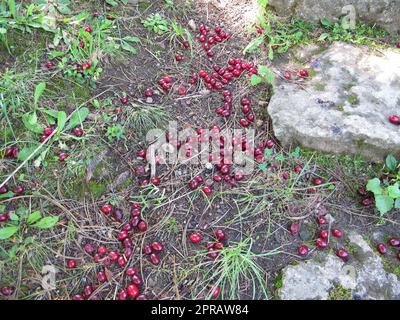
x,y
156,23
22,219
264,75
116,131
238,263
362,34
387,194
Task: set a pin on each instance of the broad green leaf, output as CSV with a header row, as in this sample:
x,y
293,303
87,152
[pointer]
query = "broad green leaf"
x,y
131,39
112,3
39,91
253,45
391,162
325,22
7,195
8,232
374,185
56,54
14,217
384,203
127,47
3,31
46,222
77,118
255,80
30,122
263,167
33,217
11,7
394,191
26,152
61,120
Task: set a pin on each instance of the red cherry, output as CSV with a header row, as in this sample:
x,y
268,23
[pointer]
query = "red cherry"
x,y
113,256
218,246
321,243
343,254
303,73
154,259
102,250
220,235
193,184
217,178
88,248
367,202
136,280
86,66
88,290
318,181
19,190
303,250
101,277
337,233
89,30
62,156
131,272
4,217
149,92
106,209
142,226
157,246
382,249
244,122
202,74
321,221
270,144
250,117
122,295
132,290
178,57
155,180
78,297
215,292
294,228
394,242
195,237
298,168
117,215
246,109
78,132
207,190
122,235
121,261
394,119
323,234
124,100
398,45
147,249
48,131
287,75
71,264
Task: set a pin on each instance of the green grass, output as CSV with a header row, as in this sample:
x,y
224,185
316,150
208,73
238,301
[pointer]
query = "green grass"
x,y
340,293
238,265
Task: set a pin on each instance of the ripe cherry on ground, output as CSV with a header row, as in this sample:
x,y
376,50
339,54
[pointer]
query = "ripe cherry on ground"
x,y
142,226
136,279
318,181
106,209
321,243
294,228
394,119
131,271
101,276
321,221
62,156
122,295
102,250
71,264
382,249
220,235
149,92
157,246
394,242
303,73
207,190
124,100
78,132
132,290
147,249
324,234
195,237
303,250
343,254
337,233
215,292
113,256
154,259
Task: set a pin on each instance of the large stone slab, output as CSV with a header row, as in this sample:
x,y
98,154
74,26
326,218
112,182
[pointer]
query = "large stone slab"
x,y
344,107
363,276
384,13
